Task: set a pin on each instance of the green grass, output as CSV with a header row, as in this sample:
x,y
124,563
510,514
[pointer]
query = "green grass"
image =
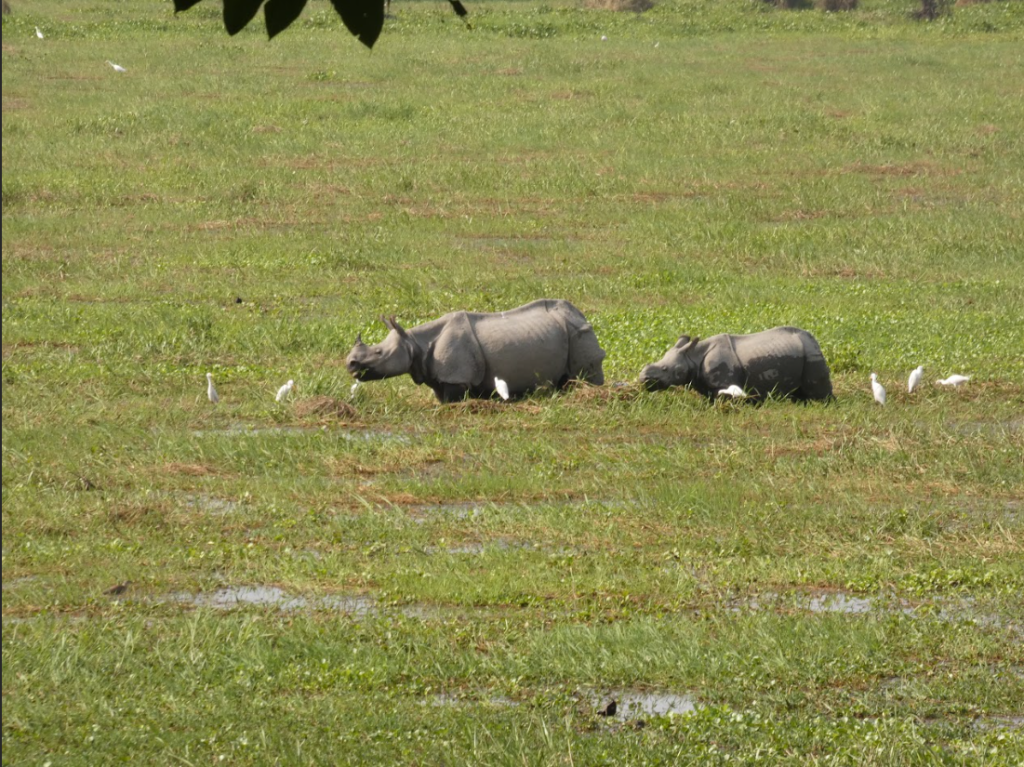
x,y
830,583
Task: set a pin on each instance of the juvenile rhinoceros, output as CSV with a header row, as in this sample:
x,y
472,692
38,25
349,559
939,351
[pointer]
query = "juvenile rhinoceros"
x,y
546,342
785,361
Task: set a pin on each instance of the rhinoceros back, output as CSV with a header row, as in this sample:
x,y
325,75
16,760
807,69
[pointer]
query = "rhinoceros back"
x,y
527,347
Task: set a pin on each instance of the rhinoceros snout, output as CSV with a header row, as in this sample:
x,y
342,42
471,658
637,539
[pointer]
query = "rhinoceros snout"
x,y
653,378
355,367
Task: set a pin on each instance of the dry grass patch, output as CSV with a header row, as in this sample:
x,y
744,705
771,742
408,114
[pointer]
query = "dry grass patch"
x,y
325,408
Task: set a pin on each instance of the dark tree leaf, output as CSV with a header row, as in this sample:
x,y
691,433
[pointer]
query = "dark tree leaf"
x,y
280,13
364,18
238,13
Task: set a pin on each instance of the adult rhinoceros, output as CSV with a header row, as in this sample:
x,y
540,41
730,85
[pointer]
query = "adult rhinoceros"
x,y
785,361
546,342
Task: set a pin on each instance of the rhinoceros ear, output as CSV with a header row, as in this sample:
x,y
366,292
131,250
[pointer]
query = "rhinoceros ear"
x,y
359,338
398,328
683,341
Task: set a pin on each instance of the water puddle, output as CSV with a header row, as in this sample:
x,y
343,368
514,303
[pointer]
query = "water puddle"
x,y
635,704
950,609
839,603
14,583
425,512
245,430
987,428
212,505
477,548
629,704
236,597
349,435
453,699
1010,722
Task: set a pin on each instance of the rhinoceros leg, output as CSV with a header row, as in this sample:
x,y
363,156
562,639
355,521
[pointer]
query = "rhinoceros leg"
x,y
456,358
447,393
585,355
816,382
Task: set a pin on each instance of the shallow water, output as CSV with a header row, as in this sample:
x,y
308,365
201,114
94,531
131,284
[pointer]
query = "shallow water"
x,y
840,603
941,608
349,435
211,504
635,704
235,597
450,699
13,583
232,597
461,510
987,428
477,548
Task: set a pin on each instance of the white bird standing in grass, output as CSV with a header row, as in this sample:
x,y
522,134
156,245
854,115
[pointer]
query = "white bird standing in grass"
x,y
733,391
877,389
285,390
211,390
501,387
954,380
915,378
39,33
117,67
353,390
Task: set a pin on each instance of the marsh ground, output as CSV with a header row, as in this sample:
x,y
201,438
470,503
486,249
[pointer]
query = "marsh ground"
x,y
409,583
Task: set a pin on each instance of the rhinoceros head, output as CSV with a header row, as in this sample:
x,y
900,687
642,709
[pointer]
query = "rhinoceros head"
x,y
678,367
391,357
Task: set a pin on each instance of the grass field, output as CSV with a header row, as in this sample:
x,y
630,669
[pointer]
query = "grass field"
x,y
390,581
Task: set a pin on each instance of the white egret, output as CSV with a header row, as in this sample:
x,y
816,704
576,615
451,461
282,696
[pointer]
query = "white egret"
x,y
501,387
915,378
117,67
354,389
954,380
211,390
39,33
877,389
733,391
285,390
